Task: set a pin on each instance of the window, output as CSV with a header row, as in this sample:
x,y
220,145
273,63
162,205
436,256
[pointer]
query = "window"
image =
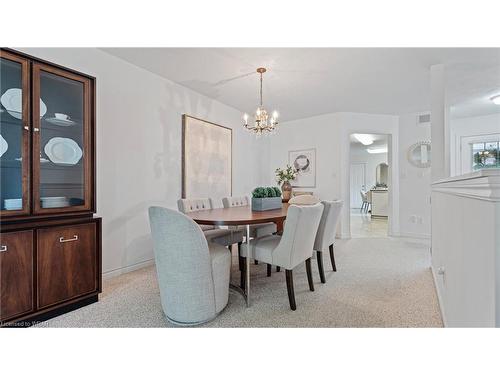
x,y
485,155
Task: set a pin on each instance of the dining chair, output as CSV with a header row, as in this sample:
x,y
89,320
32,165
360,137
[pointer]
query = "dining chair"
x,y
368,201
193,274
364,200
256,230
325,236
292,248
224,237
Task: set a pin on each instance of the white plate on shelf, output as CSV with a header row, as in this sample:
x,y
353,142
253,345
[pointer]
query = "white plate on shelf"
x,y
13,204
63,151
53,202
60,122
12,100
4,146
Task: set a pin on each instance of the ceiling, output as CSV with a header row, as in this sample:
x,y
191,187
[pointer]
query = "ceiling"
x,y
304,82
379,141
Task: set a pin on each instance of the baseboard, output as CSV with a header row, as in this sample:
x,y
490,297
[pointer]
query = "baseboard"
x,y
122,270
440,300
412,235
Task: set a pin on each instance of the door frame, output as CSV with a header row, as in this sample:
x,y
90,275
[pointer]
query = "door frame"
x,y
350,175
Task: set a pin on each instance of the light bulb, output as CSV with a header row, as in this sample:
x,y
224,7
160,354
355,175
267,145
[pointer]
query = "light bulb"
x,y
275,114
245,118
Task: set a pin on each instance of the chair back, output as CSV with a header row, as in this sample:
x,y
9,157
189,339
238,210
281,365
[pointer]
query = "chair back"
x,y
229,202
297,241
196,204
363,195
183,266
328,224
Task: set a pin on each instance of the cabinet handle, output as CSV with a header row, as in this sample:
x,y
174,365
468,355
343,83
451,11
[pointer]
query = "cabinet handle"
x,y
75,238
36,129
3,248
27,128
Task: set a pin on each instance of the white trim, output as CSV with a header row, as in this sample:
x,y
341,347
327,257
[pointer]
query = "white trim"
x,y
425,236
483,185
120,271
440,299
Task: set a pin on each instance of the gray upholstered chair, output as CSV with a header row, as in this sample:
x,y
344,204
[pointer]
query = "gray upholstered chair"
x,y
326,234
293,247
256,230
224,237
193,275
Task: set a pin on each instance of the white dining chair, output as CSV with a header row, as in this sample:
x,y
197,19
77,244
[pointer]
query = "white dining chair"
x,y
224,237
256,230
325,237
292,248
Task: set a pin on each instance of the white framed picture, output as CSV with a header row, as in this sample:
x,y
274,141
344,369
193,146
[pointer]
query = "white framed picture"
x,y
206,159
305,162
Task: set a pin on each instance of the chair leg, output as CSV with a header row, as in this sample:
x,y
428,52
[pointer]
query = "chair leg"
x,y
239,255
319,256
289,287
243,266
362,206
309,275
269,270
278,269
332,258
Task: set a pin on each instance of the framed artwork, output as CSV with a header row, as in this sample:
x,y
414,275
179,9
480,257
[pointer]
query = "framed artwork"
x,y
206,159
305,162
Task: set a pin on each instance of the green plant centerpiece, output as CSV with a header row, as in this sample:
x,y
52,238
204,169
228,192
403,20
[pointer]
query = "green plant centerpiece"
x,y
266,198
283,177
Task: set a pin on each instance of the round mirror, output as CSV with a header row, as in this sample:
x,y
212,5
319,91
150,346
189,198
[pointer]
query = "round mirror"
x,y
419,154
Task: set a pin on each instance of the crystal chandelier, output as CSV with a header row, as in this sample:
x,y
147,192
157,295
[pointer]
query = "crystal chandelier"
x,y
263,124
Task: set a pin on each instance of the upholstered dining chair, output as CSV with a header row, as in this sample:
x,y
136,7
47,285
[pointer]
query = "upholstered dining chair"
x,y
256,230
193,274
325,236
224,237
293,247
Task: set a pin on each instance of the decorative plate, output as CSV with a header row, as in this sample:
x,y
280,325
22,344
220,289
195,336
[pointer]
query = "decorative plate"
x,y
4,146
12,100
63,151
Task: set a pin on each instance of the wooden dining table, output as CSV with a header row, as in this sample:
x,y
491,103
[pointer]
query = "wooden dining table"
x,y
239,216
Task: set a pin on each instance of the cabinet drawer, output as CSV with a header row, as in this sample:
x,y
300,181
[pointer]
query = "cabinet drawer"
x,y
66,263
16,273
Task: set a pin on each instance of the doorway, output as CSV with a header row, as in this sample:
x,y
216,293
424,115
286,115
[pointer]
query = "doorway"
x,y
369,185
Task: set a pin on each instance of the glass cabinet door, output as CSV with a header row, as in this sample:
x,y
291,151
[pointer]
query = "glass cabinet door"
x,y
14,135
61,140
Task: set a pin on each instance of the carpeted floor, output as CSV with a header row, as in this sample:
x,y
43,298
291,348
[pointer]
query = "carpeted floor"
x,y
380,282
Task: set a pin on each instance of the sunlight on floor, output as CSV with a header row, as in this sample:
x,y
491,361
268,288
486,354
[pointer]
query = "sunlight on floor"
x,y
363,225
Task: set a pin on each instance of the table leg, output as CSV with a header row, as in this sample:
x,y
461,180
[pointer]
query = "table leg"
x,y
247,274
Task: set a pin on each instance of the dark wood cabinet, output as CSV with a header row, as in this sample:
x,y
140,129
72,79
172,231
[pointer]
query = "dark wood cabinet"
x,y
47,194
16,273
66,263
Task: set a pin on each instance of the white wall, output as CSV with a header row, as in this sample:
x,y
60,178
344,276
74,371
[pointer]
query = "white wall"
x,y
139,147
414,183
468,127
329,135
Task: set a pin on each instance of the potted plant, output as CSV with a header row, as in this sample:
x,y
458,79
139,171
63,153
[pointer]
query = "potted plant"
x,y
283,177
266,198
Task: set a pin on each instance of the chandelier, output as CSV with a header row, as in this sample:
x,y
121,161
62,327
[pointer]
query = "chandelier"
x,y
263,124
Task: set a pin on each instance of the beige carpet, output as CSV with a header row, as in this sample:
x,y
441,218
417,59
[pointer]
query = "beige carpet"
x,y
380,282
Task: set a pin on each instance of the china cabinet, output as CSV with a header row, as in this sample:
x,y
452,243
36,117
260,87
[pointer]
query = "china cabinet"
x,y
50,254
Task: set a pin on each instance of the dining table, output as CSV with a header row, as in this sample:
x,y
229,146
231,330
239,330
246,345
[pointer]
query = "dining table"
x,y
241,216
